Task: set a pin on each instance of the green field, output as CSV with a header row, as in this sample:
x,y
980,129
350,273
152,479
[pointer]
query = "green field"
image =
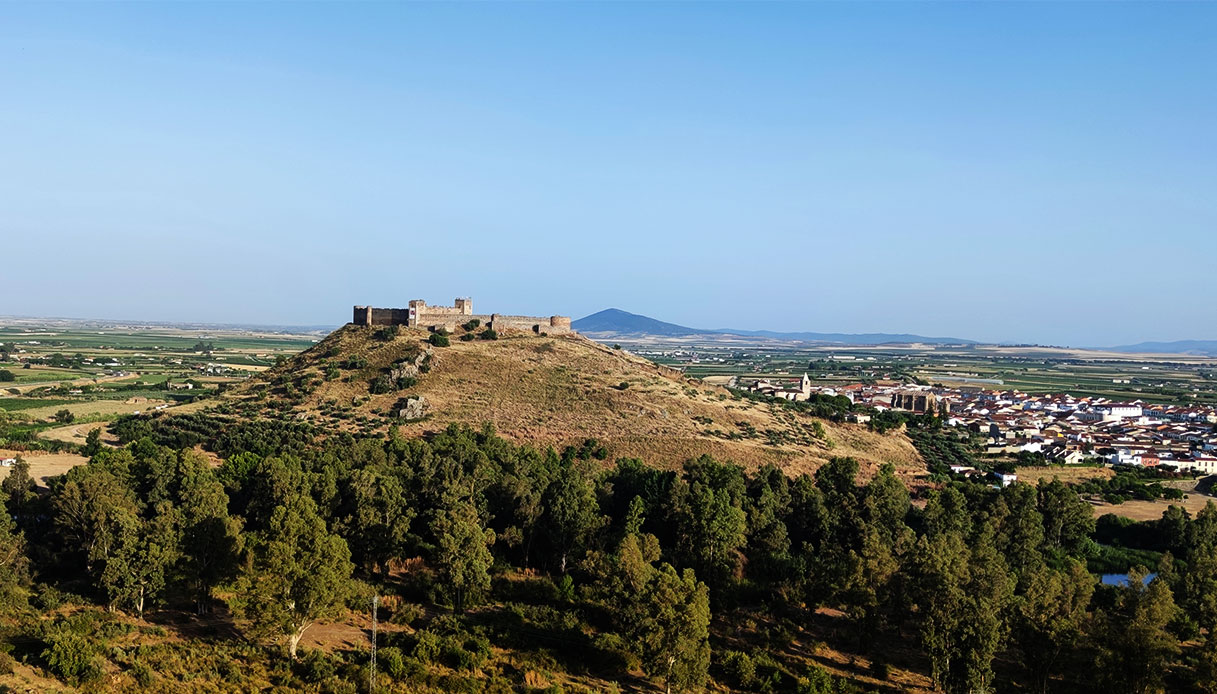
x,y
27,376
20,404
35,352
1168,380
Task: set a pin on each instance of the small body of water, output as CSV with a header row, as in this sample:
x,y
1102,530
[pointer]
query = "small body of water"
x,y
1122,579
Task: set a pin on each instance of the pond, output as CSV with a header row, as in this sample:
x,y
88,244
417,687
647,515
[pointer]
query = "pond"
x,y
1122,579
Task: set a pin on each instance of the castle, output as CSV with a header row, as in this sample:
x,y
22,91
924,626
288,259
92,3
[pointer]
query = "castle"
x,y
419,314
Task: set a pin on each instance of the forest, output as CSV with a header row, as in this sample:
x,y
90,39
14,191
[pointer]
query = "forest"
x,y
504,568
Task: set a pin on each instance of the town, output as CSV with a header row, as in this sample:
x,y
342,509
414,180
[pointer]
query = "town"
x,y
1062,428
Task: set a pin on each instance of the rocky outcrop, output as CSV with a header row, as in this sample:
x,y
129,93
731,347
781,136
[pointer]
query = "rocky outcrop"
x,y
412,408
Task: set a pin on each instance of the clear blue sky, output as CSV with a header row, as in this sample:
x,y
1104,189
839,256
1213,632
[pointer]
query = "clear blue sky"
x,y
1000,171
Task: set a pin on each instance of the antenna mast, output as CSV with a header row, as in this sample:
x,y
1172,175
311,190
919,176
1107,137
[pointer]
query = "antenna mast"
x,y
372,662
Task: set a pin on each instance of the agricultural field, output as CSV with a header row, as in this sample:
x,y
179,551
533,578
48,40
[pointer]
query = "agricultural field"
x,y
1158,378
43,466
55,373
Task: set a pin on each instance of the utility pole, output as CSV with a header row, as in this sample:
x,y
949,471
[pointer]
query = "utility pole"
x,y
372,662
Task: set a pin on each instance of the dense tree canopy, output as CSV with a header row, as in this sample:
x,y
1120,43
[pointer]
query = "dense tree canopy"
x,y
631,569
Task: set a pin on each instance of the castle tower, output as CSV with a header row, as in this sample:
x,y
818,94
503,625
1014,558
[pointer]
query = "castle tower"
x,y
464,305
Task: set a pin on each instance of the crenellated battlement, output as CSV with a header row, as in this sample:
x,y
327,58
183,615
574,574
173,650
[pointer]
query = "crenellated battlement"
x,y
419,314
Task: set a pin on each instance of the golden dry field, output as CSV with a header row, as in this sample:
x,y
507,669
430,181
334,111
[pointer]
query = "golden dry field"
x,y
43,464
1152,510
1066,474
92,408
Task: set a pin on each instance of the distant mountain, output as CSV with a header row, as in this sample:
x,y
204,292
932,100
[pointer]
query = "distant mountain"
x,y
1205,347
613,321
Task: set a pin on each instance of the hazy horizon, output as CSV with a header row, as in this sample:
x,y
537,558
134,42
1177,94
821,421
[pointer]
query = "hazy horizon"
x,y
999,172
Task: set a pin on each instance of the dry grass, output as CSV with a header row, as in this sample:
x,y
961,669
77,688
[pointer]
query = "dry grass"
x,y
25,678
44,465
1152,510
555,391
73,433
1069,475
30,387
92,408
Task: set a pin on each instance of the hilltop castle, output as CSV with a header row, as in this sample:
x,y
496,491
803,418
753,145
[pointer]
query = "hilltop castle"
x,y
419,314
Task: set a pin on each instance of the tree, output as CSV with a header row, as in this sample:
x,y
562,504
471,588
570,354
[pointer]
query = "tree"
x,y
19,495
1206,666
989,591
572,514
844,526
14,565
710,524
298,573
65,416
673,635
89,504
946,513
1135,647
869,590
961,598
663,615
92,442
142,553
1020,529
768,503
887,503
462,553
209,539
379,520
1049,618
1068,520
7,376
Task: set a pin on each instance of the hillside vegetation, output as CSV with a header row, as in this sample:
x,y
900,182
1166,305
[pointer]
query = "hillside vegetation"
x,y
240,549
555,391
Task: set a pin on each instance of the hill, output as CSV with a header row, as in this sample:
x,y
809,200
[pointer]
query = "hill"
x,y
614,322
618,322
551,391
1201,347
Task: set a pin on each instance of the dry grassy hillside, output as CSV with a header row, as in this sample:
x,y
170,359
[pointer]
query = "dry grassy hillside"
x,y
556,391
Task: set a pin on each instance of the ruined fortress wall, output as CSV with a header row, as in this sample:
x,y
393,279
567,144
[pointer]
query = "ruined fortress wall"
x,y
450,317
446,311
554,325
390,316
450,321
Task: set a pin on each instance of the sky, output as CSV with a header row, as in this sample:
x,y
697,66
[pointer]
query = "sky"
x,y
1024,172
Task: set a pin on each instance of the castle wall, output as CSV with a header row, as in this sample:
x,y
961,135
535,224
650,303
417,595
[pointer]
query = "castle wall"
x,y
446,311
450,317
532,324
390,316
449,321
